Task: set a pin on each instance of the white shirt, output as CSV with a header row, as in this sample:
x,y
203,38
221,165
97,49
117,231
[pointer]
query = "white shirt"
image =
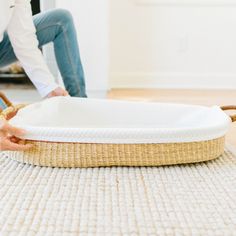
x,y
16,19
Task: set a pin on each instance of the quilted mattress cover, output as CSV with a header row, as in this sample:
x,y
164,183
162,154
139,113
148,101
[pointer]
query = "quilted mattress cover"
x,y
66,119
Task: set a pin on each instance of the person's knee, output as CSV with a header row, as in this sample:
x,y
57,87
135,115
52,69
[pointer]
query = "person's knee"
x,y
63,16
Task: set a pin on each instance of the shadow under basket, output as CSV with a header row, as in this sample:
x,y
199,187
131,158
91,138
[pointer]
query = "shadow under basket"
x,y
71,154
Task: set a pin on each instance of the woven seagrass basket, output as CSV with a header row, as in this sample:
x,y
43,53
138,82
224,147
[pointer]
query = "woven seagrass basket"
x,y
88,154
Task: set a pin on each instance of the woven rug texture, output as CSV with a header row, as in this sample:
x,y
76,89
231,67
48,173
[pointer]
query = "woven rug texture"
x,y
196,199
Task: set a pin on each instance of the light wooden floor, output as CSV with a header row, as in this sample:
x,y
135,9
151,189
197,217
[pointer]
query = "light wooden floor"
x,y
201,97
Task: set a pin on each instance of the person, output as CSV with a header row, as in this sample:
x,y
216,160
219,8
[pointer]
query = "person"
x,y
21,37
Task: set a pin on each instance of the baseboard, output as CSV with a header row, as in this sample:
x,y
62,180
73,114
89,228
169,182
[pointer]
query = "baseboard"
x,y
173,81
97,93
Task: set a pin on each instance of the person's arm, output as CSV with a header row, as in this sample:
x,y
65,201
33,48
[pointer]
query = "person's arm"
x,y
23,38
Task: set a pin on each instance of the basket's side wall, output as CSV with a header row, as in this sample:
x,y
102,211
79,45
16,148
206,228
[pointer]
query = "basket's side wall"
x,y
98,155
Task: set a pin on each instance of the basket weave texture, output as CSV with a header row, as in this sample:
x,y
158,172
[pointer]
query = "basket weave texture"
x,y
102,155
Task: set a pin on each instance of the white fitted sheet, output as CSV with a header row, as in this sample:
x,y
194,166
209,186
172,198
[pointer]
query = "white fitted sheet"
x,y
66,119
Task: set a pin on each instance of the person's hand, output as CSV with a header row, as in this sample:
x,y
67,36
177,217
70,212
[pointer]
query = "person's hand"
x,y
58,92
8,139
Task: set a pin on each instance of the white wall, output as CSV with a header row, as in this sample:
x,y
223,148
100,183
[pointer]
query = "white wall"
x,y
172,46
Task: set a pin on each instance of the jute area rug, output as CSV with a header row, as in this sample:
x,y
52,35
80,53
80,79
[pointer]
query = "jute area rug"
x,y
196,199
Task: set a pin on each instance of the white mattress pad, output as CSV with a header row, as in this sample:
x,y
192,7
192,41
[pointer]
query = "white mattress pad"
x,y
66,119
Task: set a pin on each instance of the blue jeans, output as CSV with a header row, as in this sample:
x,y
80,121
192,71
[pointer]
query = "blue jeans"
x,y
55,26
